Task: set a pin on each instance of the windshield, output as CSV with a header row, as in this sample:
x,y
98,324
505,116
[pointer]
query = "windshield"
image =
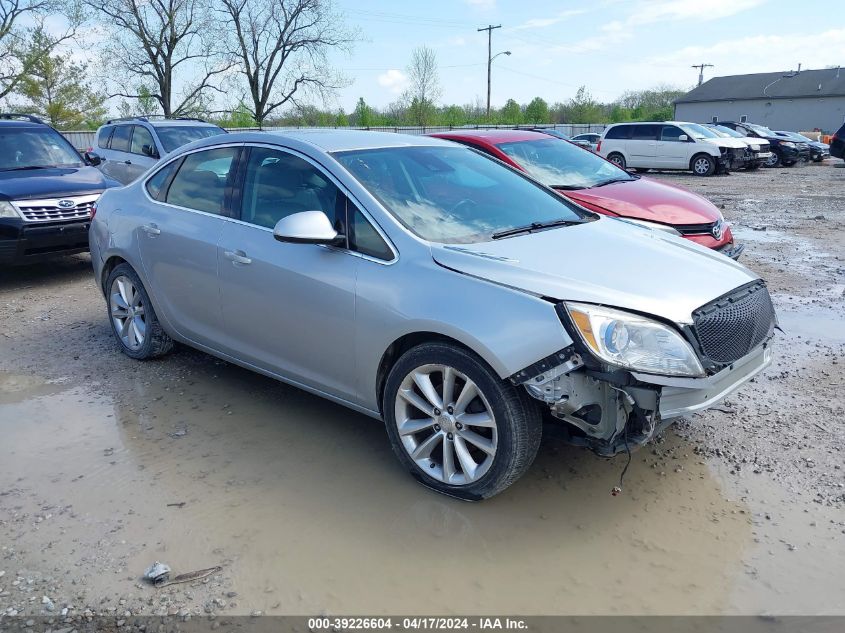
x,y
453,194
35,147
760,129
178,135
560,164
698,131
726,131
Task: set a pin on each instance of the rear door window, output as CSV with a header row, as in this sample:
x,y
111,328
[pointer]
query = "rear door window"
x,y
120,138
202,180
645,132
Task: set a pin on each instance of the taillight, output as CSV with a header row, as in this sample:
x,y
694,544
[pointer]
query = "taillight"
x,y
598,147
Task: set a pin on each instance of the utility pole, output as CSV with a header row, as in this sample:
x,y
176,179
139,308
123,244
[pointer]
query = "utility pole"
x,y
489,30
701,68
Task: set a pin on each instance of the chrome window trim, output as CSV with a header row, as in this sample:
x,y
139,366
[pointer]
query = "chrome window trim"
x,y
367,215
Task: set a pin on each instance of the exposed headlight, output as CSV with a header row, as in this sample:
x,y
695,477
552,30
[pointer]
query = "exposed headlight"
x,y
755,148
634,342
7,210
652,225
787,144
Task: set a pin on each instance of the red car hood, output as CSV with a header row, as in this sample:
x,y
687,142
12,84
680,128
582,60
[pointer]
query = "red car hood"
x,y
645,199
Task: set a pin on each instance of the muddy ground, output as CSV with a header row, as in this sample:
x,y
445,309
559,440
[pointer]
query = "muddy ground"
x,y
737,510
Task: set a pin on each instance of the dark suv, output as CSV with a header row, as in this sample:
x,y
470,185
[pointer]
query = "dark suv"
x,y
785,151
837,145
47,192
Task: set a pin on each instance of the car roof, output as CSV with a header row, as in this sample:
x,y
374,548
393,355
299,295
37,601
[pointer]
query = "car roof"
x,y
162,123
494,136
21,123
326,140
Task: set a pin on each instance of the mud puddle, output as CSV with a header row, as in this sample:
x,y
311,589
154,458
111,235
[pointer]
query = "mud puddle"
x,y
305,507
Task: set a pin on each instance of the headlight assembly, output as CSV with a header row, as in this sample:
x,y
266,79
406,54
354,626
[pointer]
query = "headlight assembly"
x,y
7,210
633,342
787,144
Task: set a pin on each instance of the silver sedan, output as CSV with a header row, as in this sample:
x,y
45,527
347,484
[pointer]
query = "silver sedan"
x,y
424,284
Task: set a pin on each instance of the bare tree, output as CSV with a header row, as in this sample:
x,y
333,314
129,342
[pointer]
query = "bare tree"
x,y
24,40
155,42
424,85
281,47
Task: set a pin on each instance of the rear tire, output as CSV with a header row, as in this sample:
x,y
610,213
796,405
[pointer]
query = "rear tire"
x,y
133,320
455,425
703,165
617,159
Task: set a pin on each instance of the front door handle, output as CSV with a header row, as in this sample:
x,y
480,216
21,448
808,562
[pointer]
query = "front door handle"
x,y
237,257
127,162
151,229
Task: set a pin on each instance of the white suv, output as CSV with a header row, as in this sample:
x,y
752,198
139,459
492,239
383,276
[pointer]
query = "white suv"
x,y
671,145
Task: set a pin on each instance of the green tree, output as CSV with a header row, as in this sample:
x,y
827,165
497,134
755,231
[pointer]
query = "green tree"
x,y
582,108
537,111
424,89
341,120
453,116
363,114
511,113
56,89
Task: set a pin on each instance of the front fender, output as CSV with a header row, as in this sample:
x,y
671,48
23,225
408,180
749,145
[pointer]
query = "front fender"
x,y
509,329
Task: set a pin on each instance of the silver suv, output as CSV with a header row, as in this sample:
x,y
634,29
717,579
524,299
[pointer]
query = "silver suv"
x,y
126,148
417,281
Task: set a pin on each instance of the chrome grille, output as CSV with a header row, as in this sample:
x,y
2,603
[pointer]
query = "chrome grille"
x,y
695,229
57,209
731,326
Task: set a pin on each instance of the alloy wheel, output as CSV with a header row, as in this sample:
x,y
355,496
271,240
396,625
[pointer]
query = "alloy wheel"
x,y
446,424
701,166
126,307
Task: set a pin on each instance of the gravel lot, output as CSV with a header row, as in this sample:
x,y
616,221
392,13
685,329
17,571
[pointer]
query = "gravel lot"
x,y
109,464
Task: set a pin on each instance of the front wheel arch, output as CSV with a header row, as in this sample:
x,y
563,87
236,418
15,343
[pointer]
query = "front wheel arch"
x,y
401,345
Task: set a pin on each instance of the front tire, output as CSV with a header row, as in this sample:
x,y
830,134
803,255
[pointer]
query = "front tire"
x,y
617,159
703,165
455,425
774,160
132,317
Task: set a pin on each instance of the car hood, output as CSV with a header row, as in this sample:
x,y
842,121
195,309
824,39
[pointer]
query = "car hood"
x,y
737,143
606,261
52,183
763,143
647,199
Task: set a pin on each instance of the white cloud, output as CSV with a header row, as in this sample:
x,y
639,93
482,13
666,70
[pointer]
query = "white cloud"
x,y
482,4
536,23
665,10
394,80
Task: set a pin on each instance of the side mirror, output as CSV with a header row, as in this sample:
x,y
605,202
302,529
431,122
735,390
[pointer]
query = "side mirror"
x,y
92,159
683,138
149,150
307,227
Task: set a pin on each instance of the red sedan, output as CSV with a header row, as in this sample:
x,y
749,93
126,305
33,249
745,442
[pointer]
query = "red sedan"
x,y
601,186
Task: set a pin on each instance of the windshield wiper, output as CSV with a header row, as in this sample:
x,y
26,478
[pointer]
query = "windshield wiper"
x,y
612,180
569,187
29,167
535,226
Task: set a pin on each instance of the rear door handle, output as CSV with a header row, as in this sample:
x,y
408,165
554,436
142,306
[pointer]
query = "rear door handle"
x,y
151,229
237,257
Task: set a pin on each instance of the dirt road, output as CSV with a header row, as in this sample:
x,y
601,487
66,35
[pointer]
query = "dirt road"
x,y
737,510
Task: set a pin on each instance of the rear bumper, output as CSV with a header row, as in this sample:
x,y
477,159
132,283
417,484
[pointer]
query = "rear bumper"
x,y
23,243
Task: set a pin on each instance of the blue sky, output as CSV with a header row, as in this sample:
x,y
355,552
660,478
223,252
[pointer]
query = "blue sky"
x,y
609,45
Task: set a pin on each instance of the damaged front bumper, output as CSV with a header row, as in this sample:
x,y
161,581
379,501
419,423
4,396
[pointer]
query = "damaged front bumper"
x,y
617,410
